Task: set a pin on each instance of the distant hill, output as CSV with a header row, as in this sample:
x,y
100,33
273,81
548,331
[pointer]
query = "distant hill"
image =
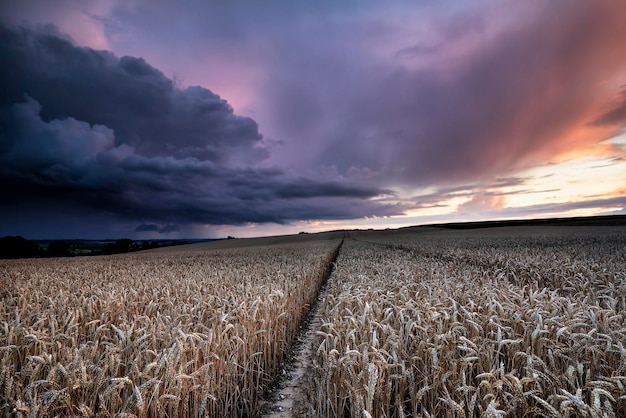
x,y
608,220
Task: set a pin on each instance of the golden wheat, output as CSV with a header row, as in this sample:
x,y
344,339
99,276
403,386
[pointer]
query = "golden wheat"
x,y
169,333
503,322
468,324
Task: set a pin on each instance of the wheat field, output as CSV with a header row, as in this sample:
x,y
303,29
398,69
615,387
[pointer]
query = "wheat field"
x,y
199,332
426,322
518,323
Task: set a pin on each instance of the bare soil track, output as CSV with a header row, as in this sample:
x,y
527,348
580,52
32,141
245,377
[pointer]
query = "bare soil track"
x,y
287,395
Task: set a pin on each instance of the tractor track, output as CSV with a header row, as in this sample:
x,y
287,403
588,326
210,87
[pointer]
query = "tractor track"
x,y
287,394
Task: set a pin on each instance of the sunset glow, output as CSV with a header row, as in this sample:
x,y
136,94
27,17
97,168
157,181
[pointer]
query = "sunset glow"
x,y
198,119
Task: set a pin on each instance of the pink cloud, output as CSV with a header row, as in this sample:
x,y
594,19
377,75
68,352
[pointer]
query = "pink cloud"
x,y
481,203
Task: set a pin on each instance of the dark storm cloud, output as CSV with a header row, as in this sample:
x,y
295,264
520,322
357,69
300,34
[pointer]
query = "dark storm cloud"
x,y
155,228
82,131
126,94
147,228
304,188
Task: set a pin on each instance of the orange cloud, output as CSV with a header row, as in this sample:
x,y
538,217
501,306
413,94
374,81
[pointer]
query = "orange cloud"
x,y
482,203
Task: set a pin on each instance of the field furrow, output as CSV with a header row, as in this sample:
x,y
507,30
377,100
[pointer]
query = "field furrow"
x,y
288,397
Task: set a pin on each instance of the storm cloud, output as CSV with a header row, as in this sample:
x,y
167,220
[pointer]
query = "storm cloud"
x,y
155,228
335,110
83,131
472,95
144,108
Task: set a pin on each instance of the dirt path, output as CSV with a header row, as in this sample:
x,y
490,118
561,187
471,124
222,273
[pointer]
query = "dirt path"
x,y
288,396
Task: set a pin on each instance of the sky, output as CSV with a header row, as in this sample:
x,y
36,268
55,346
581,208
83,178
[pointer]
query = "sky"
x,y
155,119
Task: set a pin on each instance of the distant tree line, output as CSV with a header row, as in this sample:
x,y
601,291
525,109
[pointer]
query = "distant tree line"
x,y
126,245
20,247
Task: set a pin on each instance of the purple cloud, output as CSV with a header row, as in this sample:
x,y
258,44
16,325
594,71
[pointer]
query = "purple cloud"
x,y
476,99
350,103
85,132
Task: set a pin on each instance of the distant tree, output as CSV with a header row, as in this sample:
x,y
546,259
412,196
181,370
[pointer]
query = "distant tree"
x,y
145,245
123,245
18,247
108,249
58,249
154,244
231,237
